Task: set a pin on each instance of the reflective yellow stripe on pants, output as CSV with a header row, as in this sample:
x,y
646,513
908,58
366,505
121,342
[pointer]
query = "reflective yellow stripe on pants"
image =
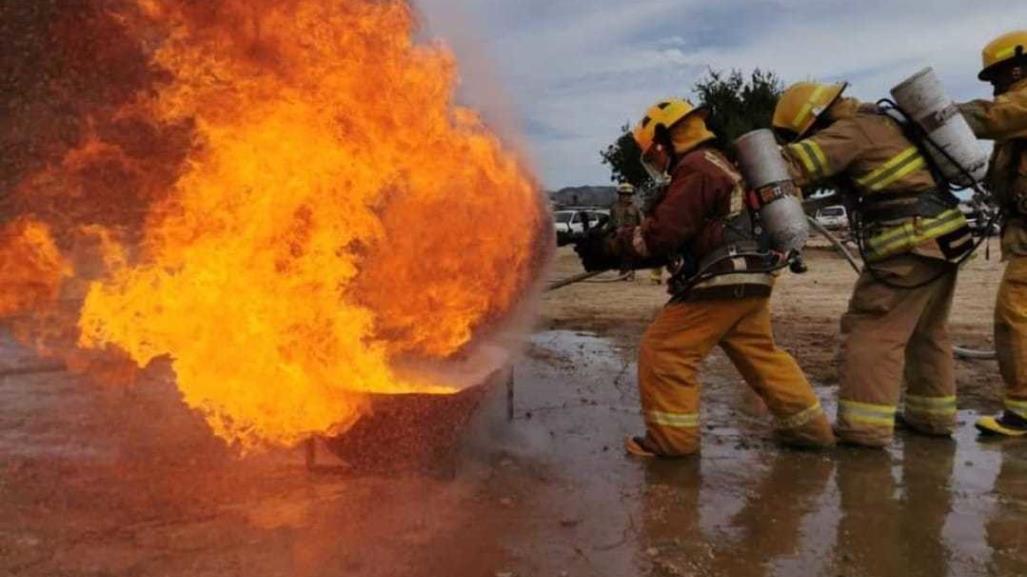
x,y
931,406
867,414
801,418
1017,407
677,420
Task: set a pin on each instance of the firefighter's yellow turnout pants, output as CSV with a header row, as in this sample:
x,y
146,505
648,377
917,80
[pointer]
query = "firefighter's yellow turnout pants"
x,y
1011,334
892,336
683,335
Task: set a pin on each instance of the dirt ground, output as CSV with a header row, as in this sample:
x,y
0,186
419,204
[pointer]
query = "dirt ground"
x,y
102,481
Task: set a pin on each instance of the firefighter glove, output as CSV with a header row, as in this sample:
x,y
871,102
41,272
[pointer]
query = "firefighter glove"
x,y
596,251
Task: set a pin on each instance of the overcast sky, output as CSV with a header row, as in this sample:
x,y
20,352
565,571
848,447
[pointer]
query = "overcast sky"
x,y
559,77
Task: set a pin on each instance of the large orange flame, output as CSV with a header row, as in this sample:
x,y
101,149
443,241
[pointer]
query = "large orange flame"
x,y
337,216
31,267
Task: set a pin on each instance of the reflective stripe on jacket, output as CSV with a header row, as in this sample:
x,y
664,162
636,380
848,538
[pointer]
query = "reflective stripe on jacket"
x,y
914,232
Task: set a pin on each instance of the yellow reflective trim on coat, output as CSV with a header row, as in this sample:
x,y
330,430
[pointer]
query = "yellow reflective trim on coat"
x,y
801,418
944,406
896,232
906,236
806,160
678,420
1018,407
820,156
807,108
894,170
812,157
866,413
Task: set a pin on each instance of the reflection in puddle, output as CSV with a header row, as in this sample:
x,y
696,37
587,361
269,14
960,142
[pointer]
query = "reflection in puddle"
x,y
925,507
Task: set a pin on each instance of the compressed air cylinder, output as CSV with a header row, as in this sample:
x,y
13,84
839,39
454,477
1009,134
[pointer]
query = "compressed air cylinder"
x,y
921,96
773,193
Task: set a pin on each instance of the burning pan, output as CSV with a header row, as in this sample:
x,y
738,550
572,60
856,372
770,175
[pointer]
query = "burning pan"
x,y
410,431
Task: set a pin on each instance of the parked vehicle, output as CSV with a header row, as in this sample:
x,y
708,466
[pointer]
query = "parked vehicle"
x,y
833,217
570,224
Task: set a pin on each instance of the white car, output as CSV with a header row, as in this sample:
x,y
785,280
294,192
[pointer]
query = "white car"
x,y
570,224
833,217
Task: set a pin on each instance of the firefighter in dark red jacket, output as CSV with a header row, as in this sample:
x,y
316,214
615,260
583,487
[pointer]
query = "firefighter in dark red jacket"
x,y
721,292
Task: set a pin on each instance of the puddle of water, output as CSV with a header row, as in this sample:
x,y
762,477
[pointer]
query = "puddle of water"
x,y
565,500
929,507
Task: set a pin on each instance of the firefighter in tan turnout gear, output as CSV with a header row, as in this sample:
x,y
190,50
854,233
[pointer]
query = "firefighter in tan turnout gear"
x,y
721,290
624,212
1004,120
895,328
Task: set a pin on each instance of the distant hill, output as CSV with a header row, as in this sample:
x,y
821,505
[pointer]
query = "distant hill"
x,y
584,195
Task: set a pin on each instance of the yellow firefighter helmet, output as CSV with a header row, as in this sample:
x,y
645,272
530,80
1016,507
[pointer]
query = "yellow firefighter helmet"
x,y
626,188
665,113
802,103
1005,48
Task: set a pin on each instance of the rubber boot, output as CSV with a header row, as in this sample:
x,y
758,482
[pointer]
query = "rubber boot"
x,y
1007,424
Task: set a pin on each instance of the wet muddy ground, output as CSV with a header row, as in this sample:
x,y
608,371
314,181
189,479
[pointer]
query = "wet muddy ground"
x,y
98,481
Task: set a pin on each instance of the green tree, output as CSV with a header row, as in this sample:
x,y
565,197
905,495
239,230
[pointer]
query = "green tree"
x,y
736,104
624,159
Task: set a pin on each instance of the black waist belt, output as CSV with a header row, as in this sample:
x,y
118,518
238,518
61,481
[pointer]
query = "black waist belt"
x,y
900,205
729,292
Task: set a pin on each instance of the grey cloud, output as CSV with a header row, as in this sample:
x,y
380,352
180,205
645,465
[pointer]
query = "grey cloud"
x,y
571,72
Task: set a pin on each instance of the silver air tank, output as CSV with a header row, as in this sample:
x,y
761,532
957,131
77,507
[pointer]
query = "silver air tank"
x,y
921,96
773,193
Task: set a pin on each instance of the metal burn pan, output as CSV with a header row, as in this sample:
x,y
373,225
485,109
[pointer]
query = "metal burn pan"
x,y
410,431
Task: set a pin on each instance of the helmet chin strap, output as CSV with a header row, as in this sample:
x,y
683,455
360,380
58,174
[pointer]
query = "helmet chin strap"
x,y
664,139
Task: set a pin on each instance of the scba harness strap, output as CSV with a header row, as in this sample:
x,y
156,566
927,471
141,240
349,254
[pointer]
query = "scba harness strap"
x,y
892,206
741,266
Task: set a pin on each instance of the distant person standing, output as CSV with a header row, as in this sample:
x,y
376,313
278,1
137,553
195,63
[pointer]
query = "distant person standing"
x,y
625,213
